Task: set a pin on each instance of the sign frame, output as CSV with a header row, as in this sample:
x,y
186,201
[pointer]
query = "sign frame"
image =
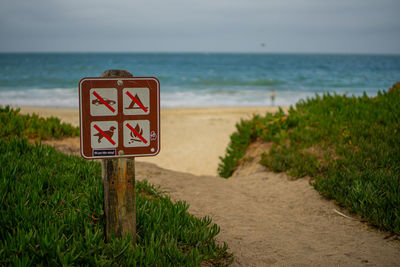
x,y
87,86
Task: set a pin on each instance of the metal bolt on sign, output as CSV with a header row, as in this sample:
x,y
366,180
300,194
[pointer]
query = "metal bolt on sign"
x,y
119,119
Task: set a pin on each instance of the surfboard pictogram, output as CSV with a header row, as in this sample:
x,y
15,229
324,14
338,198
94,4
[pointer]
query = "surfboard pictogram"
x,y
136,101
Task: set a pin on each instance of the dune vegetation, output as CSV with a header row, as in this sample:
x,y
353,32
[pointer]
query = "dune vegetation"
x,y
349,145
51,210
12,123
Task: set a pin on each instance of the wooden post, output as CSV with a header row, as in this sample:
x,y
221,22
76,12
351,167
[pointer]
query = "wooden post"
x,y
119,188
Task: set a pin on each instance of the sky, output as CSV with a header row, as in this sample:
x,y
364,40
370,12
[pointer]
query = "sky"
x,y
267,26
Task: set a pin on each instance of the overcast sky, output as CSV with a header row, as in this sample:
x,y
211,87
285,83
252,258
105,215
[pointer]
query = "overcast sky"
x,y
316,26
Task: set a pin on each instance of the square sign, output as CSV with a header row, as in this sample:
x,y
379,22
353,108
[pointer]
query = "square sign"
x,y
119,117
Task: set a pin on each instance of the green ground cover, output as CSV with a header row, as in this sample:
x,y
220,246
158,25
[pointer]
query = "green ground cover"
x,y
32,126
349,145
51,214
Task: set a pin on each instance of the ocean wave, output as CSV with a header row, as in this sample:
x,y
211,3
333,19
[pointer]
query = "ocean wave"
x,y
56,97
234,82
209,98
68,98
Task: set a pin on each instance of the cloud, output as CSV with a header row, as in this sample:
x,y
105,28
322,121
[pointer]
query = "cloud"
x,y
208,25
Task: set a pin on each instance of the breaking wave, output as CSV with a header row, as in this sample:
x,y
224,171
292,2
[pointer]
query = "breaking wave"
x,y
170,98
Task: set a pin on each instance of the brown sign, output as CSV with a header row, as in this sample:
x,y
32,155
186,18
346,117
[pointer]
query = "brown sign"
x,y
119,117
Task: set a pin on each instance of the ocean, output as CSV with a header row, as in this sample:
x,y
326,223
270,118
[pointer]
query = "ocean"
x,y
198,79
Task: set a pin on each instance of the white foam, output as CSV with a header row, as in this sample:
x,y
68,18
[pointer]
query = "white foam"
x,y
236,98
57,97
68,98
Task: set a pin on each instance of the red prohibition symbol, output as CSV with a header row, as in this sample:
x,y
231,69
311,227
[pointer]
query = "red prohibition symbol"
x,y
136,101
136,133
104,134
103,101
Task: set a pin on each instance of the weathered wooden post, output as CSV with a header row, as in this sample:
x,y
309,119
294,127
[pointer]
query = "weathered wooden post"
x,y
119,188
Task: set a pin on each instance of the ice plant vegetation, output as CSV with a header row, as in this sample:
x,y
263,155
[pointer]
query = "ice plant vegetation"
x,y
51,212
349,145
12,123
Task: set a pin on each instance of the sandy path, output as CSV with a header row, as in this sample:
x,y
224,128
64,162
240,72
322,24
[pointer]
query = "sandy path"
x,y
265,218
192,140
268,220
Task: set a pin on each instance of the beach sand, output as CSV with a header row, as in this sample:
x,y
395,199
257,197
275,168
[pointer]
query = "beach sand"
x,y
266,218
192,139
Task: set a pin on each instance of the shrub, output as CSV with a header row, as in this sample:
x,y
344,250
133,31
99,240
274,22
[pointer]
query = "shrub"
x,y
12,123
51,214
349,145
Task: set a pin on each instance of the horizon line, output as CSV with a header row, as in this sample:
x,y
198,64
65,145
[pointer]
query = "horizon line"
x,y
202,52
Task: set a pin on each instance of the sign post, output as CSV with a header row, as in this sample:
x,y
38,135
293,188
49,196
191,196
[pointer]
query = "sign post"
x,y
119,120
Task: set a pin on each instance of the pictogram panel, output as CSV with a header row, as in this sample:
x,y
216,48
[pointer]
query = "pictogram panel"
x,y
137,133
136,101
103,102
104,134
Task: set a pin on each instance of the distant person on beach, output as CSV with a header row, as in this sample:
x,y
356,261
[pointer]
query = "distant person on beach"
x,y
272,96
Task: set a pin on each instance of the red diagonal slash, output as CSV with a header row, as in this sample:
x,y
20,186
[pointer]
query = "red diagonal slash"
x,y
136,133
104,134
136,101
103,101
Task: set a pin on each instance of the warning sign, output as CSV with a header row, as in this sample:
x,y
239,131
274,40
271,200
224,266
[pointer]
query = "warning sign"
x,y
119,117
